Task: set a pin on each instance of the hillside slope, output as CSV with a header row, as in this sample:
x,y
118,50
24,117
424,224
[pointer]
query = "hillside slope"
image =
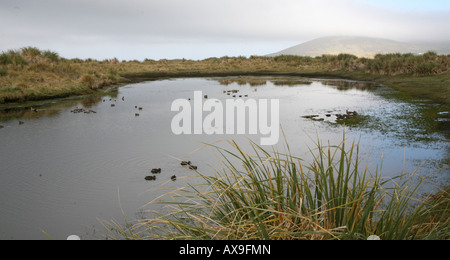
x,y
359,46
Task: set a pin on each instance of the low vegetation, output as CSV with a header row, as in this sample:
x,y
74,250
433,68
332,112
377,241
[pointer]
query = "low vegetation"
x,y
32,74
277,196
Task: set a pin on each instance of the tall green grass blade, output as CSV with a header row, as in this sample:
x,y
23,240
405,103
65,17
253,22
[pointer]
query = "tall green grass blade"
x,y
273,195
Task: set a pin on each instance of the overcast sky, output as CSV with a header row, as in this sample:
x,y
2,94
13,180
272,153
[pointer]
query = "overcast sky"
x,y
198,29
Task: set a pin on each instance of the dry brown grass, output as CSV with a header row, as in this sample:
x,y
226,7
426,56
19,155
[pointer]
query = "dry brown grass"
x,y
32,74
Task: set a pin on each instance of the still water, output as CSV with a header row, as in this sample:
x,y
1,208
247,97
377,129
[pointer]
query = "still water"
x,y
61,172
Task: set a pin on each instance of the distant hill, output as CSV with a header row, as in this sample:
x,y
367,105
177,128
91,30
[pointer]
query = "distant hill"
x,y
359,46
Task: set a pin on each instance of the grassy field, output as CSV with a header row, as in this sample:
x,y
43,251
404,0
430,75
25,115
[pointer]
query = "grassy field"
x,y
31,74
261,195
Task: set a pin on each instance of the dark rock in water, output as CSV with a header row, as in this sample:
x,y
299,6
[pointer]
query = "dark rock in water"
x,y
77,110
173,178
1,127
206,96
154,171
184,163
21,123
341,117
150,178
82,110
192,167
113,105
352,113
310,116
349,116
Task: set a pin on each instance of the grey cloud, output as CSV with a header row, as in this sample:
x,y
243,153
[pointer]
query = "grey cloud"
x,y
157,22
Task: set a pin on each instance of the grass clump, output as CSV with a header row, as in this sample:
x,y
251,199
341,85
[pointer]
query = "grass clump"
x,y
277,196
89,81
34,74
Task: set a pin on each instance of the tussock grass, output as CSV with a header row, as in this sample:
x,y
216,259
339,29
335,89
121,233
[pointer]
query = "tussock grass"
x,y
63,77
277,196
32,74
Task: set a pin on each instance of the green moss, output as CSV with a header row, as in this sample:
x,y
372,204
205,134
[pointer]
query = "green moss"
x,y
354,120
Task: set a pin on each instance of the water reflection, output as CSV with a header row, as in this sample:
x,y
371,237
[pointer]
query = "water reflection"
x,y
46,109
61,171
262,81
345,85
26,113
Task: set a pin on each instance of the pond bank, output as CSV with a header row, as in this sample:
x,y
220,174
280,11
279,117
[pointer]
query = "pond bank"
x,y
434,87
30,74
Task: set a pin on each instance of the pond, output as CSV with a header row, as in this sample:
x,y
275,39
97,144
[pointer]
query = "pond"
x,y
66,164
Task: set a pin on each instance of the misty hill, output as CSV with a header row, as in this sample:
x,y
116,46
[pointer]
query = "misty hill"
x,y
359,46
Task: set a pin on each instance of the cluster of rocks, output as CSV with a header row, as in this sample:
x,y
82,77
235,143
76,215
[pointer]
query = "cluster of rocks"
x,y
339,117
152,177
347,115
136,114
139,109
174,177
234,91
82,110
229,93
189,163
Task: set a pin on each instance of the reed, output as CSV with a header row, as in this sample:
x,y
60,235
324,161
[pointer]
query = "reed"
x,y
277,196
